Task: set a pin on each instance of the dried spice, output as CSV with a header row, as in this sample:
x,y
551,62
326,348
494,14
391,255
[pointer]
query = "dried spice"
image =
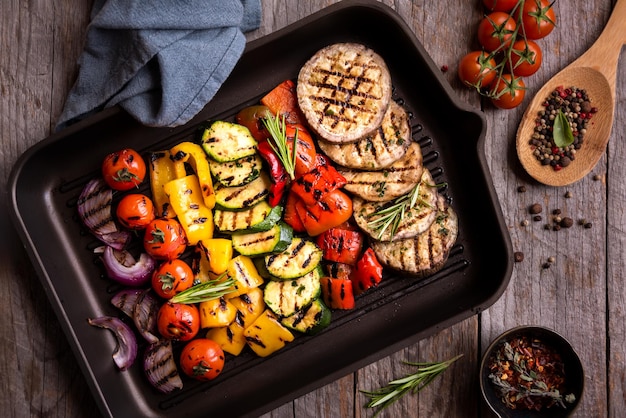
x,y
560,126
529,375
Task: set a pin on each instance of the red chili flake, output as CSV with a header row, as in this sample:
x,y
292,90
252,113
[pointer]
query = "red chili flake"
x,y
557,167
444,68
555,150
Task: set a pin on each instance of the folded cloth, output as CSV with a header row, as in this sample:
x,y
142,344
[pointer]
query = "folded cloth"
x,y
160,60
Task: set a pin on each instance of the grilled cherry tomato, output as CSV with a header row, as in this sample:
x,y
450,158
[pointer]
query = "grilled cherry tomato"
x,y
252,118
164,239
202,359
135,211
172,277
123,170
496,30
177,321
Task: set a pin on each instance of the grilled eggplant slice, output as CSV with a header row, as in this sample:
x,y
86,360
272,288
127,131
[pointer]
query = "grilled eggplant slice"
x,y
376,151
344,91
426,253
415,221
396,180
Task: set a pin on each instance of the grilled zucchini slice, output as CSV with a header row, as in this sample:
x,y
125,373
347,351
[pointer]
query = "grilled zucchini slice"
x,y
300,258
243,197
226,141
310,319
286,297
238,172
275,240
260,217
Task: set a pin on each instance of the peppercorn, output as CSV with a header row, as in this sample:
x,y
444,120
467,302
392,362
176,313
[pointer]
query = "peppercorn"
x,y
537,218
534,209
521,189
597,177
587,225
556,212
551,259
568,194
546,266
567,222
518,256
524,222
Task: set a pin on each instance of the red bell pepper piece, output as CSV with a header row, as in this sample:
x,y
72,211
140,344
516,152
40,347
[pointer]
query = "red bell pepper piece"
x,y
367,273
339,270
282,100
313,186
341,245
306,154
337,293
290,215
334,209
278,174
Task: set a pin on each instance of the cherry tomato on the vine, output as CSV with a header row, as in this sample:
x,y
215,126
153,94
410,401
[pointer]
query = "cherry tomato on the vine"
x,y
495,31
202,359
123,170
172,277
177,321
500,5
164,239
477,69
538,18
507,91
526,57
135,211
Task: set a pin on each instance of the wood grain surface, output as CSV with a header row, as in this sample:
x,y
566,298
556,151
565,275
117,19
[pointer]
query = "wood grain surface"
x,y
581,294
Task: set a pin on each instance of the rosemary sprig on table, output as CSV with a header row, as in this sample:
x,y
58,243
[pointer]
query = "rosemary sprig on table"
x,y
396,389
209,290
277,129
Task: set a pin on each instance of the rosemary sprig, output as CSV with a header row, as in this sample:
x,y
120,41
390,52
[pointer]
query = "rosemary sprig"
x,y
209,290
391,216
278,141
396,389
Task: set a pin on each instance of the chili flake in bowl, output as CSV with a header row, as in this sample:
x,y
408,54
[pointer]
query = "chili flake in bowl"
x,y
531,371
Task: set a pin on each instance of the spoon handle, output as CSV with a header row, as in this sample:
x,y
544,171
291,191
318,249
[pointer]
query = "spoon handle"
x,y
604,53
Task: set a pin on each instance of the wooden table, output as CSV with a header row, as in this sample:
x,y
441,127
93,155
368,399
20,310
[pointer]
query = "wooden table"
x,y
580,295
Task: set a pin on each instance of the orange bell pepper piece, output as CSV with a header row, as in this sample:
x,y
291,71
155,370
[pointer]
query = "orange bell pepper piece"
x,y
334,209
283,101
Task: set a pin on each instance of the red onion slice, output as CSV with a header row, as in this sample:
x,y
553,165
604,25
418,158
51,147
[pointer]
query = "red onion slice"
x,y
94,210
122,267
160,367
126,299
126,350
145,314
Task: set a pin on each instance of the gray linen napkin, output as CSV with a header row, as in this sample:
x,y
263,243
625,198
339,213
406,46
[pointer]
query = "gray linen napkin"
x,y
160,60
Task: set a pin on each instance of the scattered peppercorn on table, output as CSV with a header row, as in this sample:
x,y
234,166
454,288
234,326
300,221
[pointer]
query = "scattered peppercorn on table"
x,y
569,242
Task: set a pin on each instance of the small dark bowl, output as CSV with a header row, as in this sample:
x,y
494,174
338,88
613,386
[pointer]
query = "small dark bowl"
x,y
574,375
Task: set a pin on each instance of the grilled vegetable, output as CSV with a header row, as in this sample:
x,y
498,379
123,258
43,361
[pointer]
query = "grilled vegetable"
x,y
337,293
291,216
231,338
252,118
301,257
275,240
282,101
267,335
211,258
260,217
367,273
309,320
126,350
243,197
278,174
245,274
164,239
333,210
160,367
315,185
186,198
286,297
122,267
178,321
225,141
202,359
238,172
193,155
341,245
162,171
216,313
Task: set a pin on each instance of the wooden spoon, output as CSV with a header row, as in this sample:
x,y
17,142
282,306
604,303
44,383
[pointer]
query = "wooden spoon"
x,y
596,72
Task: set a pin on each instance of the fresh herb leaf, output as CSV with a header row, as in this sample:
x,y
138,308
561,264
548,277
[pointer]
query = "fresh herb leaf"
x,y
278,141
562,131
208,290
413,383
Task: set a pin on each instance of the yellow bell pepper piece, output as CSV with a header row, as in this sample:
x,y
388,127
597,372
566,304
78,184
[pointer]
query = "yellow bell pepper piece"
x,y
186,200
193,154
161,172
267,335
212,258
216,313
243,270
249,307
